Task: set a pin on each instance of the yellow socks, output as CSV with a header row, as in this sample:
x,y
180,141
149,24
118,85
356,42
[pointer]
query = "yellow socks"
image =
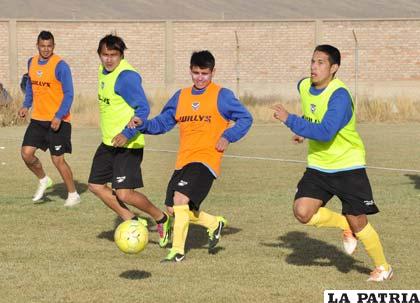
x,y
180,230
370,239
327,218
204,219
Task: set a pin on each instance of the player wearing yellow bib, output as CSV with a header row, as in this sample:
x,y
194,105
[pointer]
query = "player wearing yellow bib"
x,y
336,160
118,157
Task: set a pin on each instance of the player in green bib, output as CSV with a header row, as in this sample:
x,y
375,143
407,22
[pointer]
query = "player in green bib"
x,y
336,160
118,158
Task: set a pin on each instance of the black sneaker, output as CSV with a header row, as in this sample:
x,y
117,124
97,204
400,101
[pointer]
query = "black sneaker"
x,y
215,235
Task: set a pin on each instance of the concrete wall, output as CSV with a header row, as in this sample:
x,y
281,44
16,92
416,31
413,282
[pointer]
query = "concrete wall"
x,y
257,57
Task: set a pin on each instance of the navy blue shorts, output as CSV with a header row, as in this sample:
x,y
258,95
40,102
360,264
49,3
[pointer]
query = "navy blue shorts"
x,y
117,165
40,134
351,187
193,180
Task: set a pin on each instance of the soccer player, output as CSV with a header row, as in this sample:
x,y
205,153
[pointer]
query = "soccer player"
x,y
336,160
49,91
203,112
118,157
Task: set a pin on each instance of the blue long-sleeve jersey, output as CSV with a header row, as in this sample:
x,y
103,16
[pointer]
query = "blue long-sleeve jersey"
x,y
339,113
228,105
63,74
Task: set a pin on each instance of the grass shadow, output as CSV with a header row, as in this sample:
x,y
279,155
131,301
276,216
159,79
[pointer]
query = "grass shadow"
x,y
197,235
60,190
135,275
415,180
198,238
307,251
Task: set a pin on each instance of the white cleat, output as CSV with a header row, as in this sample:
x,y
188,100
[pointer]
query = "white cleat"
x,y
72,200
42,187
349,242
379,274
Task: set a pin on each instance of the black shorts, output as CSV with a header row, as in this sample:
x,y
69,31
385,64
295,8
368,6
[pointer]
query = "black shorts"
x,y
194,180
351,187
120,166
40,134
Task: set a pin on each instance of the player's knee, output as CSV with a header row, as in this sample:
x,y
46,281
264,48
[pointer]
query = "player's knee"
x,y
57,160
123,195
180,200
302,215
27,157
94,188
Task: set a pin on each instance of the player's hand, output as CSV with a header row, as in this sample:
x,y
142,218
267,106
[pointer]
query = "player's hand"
x,y
119,140
297,139
280,113
222,144
55,124
134,122
23,111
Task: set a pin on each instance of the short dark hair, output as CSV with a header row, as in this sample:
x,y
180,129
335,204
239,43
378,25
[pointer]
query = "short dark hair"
x,y
45,35
202,59
334,56
112,42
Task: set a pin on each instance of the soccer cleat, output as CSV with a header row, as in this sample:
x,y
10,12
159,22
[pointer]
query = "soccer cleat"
x,y
379,274
349,242
72,200
173,256
42,187
215,235
164,230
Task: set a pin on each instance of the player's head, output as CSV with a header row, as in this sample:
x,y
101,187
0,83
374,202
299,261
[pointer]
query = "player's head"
x,y
111,51
202,68
325,62
45,44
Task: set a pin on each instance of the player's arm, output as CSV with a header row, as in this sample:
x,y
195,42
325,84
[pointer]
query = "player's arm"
x,y
27,102
233,110
63,74
339,113
163,122
129,87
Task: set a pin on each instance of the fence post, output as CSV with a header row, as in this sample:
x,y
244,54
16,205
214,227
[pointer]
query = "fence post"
x,y
169,54
13,61
318,32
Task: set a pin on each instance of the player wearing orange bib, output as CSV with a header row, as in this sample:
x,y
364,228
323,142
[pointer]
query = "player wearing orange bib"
x,y
49,92
202,112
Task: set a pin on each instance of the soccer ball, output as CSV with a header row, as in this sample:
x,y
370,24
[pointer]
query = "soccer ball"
x,y
131,236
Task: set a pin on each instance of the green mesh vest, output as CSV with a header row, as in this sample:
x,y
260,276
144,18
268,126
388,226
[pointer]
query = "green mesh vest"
x,y
115,112
346,149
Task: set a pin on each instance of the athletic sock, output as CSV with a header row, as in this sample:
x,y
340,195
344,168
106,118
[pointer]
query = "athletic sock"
x,y
180,229
44,180
370,239
204,219
327,218
73,195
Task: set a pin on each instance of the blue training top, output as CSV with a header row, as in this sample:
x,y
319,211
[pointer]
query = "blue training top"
x,y
339,113
228,105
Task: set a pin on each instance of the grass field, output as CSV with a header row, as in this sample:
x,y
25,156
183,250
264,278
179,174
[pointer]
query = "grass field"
x,y
52,254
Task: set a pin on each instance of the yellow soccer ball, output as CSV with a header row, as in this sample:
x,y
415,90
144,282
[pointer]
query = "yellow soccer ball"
x,y
131,236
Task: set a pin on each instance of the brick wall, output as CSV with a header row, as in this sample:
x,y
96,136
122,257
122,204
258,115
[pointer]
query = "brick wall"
x,y
272,55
